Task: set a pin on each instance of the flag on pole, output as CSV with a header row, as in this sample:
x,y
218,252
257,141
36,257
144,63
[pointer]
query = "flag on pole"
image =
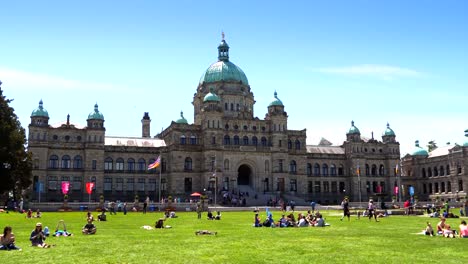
x,y
358,170
155,164
397,167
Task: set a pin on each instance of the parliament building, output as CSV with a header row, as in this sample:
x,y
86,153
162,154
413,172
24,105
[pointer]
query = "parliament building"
x,y
225,148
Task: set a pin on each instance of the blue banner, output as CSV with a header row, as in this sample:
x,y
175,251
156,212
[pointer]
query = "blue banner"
x,y
411,190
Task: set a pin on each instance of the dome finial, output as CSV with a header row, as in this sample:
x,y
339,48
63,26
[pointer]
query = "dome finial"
x,y
96,108
181,114
223,49
41,105
388,125
276,94
222,35
416,143
466,133
352,122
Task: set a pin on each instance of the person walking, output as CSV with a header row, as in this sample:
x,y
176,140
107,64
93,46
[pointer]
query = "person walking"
x,y
312,205
345,206
145,205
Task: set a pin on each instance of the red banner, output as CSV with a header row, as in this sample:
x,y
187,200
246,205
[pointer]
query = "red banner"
x,y
89,187
65,187
395,190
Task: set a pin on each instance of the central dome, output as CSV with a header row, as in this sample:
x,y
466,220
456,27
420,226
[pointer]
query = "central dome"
x,y
223,69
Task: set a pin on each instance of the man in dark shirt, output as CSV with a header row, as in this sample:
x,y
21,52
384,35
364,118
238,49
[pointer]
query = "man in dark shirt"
x,y
89,228
345,205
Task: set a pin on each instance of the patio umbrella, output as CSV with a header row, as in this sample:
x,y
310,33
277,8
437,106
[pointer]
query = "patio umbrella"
x,y
195,194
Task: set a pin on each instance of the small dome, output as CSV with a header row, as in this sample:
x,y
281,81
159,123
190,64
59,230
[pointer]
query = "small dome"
x,y
466,141
418,151
96,114
40,111
211,96
182,119
353,129
389,131
276,101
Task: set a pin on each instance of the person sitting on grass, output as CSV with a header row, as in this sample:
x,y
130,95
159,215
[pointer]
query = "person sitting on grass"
x,y
38,214
209,215
38,237
89,216
7,240
160,224
302,222
463,229
441,226
29,213
429,231
257,222
61,229
89,228
218,215
102,216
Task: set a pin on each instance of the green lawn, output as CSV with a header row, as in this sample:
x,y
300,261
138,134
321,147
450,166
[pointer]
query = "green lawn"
x,y
122,240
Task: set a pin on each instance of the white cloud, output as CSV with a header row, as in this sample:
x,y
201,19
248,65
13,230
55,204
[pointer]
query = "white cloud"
x,y
385,72
28,81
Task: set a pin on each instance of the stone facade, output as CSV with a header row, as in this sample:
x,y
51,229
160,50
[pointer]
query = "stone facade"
x,y
438,176
226,148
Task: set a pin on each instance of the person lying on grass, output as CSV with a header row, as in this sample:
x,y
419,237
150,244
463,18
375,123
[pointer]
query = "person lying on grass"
x,y
89,228
7,240
38,237
61,229
205,232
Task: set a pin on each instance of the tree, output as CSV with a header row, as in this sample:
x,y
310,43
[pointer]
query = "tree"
x,y
15,161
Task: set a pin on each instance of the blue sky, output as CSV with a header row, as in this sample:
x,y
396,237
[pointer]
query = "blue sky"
x,y
402,62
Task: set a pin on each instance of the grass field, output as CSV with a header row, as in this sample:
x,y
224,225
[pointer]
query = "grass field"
x,y
122,240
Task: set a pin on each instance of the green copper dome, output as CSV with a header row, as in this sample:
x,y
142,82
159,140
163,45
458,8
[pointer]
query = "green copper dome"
x,y
223,69
40,111
418,151
96,114
389,131
466,142
211,96
276,101
353,129
182,119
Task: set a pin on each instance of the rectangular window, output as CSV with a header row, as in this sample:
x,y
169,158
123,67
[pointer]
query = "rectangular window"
x,y
334,187
293,185
310,186
424,188
317,187
119,166
280,166
76,186
188,185
36,163
119,184
108,184
460,185
368,187
130,184
279,143
52,183
152,185
342,187
326,187
94,164
141,184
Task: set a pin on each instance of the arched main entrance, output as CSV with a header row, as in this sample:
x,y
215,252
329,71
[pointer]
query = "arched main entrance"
x,y
243,176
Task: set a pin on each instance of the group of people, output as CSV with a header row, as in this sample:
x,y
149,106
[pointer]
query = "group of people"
x,y
308,220
444,229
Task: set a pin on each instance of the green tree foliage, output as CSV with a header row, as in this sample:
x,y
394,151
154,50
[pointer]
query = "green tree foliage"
x,y
15,161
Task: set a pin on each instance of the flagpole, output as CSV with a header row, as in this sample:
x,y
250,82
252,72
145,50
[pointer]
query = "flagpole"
x,y
359,182
160,169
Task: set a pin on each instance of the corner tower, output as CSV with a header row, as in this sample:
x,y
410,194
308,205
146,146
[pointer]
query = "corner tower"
x,y
145,125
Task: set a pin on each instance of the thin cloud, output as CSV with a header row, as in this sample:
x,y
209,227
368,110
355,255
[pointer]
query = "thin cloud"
x,y
385,72
26,81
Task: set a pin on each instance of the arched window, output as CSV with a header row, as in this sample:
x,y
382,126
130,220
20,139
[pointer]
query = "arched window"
x,y
436,172
374,170
423,172
193,139
381,170
292,167
316,169
119,164
298,144
141,165
245,140
66,162
325,169
264,141
131,165
289,144
333,170
429,172
53,162
226,164
254,141
447,169
340,170
183,140
108,164
77,162
267,166
309,169
442,171
367,170
449,186
188,164
227,140
236,140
